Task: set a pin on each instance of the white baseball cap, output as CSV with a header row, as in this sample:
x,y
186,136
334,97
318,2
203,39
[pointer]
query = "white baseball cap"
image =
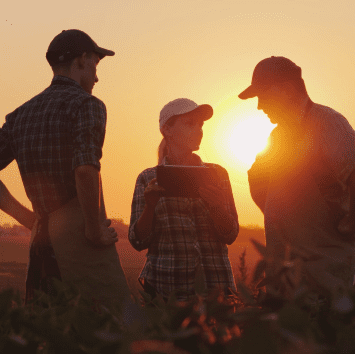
x,y
181,106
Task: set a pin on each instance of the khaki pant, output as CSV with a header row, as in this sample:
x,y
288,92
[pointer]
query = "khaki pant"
x,y
96,272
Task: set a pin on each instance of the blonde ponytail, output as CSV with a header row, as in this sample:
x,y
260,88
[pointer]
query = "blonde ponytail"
x,y
162,150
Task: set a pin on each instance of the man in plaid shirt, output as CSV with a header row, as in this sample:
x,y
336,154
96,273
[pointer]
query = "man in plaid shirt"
x,y
56,139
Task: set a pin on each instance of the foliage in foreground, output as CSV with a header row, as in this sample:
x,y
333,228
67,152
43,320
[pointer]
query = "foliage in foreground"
x,y
293,320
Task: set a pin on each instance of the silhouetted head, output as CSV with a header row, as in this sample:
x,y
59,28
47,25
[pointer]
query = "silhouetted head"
x,y
181,123
278,84
74,54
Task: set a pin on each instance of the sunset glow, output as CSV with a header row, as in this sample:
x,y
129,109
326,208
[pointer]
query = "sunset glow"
x,y
238,134
164,52
248,138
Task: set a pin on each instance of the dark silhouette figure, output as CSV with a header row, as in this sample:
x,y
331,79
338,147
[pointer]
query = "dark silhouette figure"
x,y
304,182
56,139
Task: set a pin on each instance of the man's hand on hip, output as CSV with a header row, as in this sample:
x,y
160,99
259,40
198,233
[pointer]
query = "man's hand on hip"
x,y
106,236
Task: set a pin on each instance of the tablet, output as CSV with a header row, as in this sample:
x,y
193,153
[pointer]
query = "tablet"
x,y
185,181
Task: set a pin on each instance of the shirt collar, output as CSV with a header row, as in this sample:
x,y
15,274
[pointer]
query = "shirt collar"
x,y
64,80
303,106
197,160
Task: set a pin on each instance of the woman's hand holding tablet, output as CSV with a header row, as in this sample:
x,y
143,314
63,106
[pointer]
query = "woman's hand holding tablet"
x,y
153,193
185,181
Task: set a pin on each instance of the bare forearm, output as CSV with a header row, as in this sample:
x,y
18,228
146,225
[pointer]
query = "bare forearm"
x,y
12,207
87,180
103,215
144,225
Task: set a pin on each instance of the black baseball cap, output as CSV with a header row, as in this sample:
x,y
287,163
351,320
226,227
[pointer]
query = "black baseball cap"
x,y
70,44
271,71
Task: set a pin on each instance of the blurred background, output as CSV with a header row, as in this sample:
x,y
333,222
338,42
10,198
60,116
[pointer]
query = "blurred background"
x,y
205,50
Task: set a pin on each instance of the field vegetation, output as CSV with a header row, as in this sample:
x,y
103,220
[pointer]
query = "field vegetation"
x,y
294,320
14,248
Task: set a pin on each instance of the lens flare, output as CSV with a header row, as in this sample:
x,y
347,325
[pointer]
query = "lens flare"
x,y
249,137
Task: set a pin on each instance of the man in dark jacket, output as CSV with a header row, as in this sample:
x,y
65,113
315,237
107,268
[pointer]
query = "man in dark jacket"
x,y
304,182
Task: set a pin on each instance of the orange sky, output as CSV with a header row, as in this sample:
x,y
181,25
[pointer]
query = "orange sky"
x,y
201,49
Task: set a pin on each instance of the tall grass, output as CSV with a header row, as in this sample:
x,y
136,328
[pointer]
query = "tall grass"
x,y
298,320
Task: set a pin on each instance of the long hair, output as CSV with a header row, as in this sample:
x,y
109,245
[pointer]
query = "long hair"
x,y
163,148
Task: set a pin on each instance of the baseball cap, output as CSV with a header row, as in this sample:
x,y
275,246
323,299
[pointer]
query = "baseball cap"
x,y
70,44
271,71
181,106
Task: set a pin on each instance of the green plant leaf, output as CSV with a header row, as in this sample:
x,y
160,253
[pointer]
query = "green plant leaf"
x,y
260,248
245,293
259,270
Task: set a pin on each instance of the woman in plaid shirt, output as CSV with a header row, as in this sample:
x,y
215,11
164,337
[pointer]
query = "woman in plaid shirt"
x,y
186,238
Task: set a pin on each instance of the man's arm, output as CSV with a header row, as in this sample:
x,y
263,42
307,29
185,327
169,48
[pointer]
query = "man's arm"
x,y
258,185
11,206
103,215
87,179
8,203
88,135
258,174
6,153
88,185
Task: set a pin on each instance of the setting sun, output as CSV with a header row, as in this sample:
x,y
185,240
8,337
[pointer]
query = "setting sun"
x,y
240,134
249,137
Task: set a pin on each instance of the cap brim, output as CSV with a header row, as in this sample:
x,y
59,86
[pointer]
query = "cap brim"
x,y
102,52
250,92
204,110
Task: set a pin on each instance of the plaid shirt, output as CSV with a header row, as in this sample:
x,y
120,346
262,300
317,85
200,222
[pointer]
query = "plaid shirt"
x,y
183,238
49,136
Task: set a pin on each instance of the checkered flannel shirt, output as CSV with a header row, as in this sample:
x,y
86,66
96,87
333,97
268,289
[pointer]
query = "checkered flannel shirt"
x,y
183,238
49,136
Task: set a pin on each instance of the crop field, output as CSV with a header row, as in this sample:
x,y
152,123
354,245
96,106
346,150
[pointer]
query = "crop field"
x,y
14,246
248,321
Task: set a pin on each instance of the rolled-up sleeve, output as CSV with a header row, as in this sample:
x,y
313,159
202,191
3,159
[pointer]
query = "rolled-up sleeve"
x,y
230,207
138,204
89,133
6,153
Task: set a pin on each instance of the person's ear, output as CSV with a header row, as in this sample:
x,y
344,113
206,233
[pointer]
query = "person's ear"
x,y
81,60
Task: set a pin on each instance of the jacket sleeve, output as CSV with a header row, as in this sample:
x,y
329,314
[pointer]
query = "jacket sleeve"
x,y
6,153
89,133
259,178
259,173
138,204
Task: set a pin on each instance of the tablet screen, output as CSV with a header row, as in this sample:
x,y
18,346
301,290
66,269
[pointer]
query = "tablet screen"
x,y
185,181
